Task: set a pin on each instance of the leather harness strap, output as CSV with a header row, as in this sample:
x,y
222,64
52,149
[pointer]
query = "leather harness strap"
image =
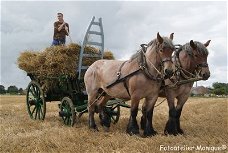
x,y
124,81
143,66
119,71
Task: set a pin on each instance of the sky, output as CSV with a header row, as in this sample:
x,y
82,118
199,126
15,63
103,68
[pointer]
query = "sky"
x,y
28,25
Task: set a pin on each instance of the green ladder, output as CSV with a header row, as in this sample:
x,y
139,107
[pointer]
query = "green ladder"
x,y
86,42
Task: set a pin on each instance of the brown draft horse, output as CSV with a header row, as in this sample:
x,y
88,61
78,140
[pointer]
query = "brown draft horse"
x,y
191,57
103,72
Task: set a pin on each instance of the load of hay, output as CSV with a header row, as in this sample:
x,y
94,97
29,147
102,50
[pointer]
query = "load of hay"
x,y
56,61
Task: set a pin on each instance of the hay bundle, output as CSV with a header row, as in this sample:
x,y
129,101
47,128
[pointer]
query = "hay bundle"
x,y
56,61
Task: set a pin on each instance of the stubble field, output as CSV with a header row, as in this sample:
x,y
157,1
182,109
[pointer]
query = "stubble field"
x,y
204,121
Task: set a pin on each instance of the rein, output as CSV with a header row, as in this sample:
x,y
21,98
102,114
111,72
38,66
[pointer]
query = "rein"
x,y
180,71
143,66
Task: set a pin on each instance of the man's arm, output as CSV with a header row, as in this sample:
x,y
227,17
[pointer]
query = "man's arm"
x,y
55,27
67,29
61,26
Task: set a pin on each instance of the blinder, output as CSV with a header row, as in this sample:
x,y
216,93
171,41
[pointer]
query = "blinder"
x,y
202,65
144,47
168,59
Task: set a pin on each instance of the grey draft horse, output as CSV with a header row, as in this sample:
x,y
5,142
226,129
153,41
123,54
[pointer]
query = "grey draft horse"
x,y
191,57
145,82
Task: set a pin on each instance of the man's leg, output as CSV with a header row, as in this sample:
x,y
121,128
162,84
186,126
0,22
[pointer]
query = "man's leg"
x,y
55,42
62,41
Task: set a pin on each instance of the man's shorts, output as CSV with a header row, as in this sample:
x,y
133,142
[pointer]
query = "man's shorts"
x,y
58,42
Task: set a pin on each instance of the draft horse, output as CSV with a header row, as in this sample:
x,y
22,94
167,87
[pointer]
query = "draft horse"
x,y
190,60
134,79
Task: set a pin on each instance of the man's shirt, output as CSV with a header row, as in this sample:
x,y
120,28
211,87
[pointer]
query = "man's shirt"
x,y
62,33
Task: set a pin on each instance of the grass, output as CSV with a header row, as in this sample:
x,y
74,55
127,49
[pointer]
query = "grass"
x,y
204,121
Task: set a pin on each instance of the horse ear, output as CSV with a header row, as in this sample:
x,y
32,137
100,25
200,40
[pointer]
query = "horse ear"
x,y
159,38
171,36
207,43
193,45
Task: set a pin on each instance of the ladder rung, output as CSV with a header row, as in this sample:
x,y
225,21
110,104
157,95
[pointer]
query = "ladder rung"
x,y
91,55
94,43
96,23
95,32
84,67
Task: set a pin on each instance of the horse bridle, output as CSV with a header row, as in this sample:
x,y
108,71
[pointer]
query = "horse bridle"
x,y
160,48
197,67
200,65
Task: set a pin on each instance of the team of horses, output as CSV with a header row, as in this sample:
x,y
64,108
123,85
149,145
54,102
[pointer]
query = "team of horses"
x,y
145,75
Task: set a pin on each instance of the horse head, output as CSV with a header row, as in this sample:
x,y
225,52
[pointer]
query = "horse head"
x,y
165,49
199,57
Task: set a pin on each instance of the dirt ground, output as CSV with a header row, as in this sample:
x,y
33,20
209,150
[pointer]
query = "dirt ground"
x,y
204,121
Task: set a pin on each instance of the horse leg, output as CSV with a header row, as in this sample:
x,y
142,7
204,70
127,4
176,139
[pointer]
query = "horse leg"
x,y
132,127
91,110
104,118
143,120
180,103
148,116
171,127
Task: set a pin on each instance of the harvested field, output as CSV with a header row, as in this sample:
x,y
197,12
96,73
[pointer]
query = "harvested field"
x,y
204,121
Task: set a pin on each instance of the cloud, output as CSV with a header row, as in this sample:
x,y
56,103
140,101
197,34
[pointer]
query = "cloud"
x,y
29,25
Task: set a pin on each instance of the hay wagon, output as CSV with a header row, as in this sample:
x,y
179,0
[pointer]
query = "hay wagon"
x,y
70,91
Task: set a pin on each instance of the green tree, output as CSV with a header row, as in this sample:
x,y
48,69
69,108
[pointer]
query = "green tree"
x,y
220,88
2,89
12,90
21,91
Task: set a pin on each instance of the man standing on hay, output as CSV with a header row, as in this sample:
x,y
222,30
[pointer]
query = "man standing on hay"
x,y
61,29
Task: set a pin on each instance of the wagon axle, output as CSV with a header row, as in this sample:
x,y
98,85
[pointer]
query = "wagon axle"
x,y
32,102
64,114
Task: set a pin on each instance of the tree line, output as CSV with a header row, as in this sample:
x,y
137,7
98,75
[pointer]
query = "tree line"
x,y
14,90
217,89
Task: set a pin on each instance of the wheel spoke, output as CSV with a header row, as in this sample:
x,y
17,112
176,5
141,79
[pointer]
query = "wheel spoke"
x,y
33,89
39,112
114,107
68,120
36,90
32,93
65,120
33,110
113,118
42,113
36,112
38,93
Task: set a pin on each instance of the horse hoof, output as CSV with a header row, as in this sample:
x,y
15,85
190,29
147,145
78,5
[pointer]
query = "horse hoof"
x,y
94,128
106,129
180,131
168,132
150,134
132,131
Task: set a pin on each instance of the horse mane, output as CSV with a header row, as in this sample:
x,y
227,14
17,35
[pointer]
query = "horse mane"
x,y
201,49
166,41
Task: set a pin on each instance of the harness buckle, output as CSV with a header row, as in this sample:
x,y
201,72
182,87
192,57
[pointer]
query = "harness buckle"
x,y
118,74
144,47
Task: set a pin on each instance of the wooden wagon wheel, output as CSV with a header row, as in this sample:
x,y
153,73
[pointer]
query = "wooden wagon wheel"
x,y
36,104
113,112
67,111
